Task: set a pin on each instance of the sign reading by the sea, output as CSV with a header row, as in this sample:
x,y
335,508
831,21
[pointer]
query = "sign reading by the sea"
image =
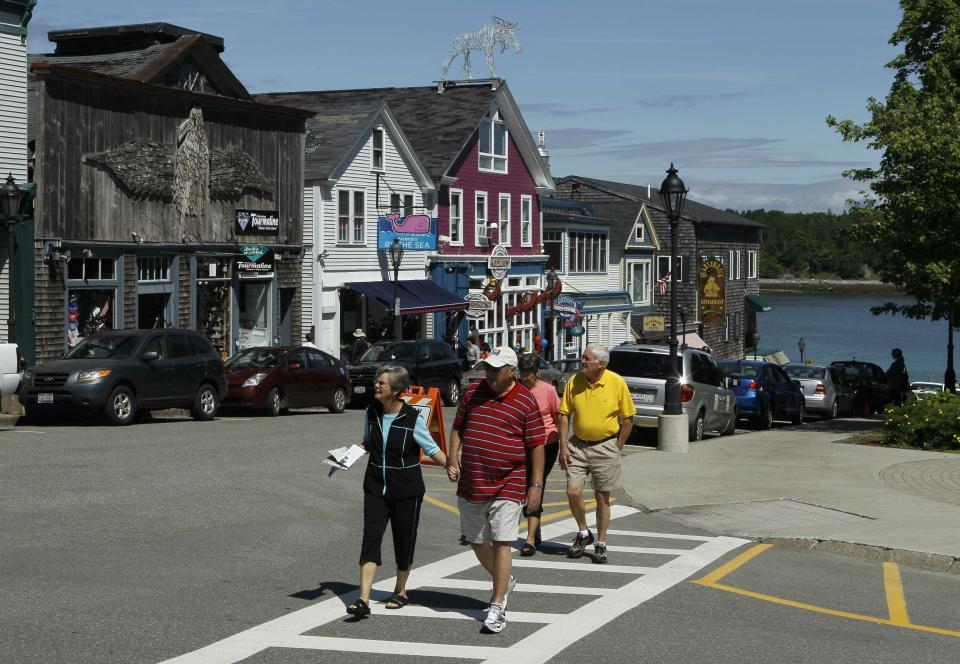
x,y
257,258
711,284
257,222
416,232
499,262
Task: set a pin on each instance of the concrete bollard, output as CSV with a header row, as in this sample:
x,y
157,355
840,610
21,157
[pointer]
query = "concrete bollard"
x,y
672,433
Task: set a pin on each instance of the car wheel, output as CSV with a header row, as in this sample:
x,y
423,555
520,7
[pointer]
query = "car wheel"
x,y
339,401
731,427
121,406
696,429
452,395
798,418
765,419
274,403
205,404
834,410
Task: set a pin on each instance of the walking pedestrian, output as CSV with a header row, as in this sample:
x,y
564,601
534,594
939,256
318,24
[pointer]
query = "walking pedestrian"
x,y
497,421
393,484
473,353
360,344
897,380
602,410
549,403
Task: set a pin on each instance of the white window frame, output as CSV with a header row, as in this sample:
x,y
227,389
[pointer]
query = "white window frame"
x,y
640,228
153,270
737,262
489,125
645,265
456,222
526,220
599,253
352,217
382,150
552,236
669,260
752,265
480,226
503,224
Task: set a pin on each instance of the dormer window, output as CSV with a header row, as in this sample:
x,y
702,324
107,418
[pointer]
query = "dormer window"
x,y
376,150
493,144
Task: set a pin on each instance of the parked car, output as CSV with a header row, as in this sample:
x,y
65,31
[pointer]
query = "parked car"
x,y
430,363
764,392
921,389
127,373
706,401
548,374
275,379
825,389
567,368
869,384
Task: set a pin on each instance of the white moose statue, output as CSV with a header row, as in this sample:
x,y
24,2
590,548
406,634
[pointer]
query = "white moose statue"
x,y
485,39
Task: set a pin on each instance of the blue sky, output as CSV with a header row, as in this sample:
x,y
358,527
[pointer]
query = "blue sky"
x,y
734,92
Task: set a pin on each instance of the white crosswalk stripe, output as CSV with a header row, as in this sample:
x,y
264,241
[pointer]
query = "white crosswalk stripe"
x,y
558,631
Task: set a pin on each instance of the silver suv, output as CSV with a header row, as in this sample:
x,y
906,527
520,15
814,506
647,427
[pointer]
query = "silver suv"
x,y
707,402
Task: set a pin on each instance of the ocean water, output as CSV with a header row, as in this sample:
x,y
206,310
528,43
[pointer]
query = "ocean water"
x,y
841,327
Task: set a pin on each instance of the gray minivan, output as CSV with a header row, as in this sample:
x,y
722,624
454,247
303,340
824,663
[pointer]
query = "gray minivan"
x,y
706,401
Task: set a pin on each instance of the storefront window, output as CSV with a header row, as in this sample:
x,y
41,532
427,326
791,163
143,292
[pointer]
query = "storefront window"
x,y
213,301
254,315
89,310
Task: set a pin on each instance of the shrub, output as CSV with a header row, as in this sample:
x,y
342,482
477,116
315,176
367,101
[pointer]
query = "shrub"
x,y
931,423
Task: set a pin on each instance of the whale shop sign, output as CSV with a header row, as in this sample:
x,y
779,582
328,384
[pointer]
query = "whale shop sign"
x,y
415,232
258,222
257,258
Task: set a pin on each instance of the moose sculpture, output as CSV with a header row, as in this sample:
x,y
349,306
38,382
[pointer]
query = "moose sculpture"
x,y
485,39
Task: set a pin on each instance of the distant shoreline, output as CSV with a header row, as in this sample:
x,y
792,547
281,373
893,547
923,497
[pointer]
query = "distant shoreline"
x,y
826,286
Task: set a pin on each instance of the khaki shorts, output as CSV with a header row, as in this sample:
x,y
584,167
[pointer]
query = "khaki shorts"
x,y
600,460
495,521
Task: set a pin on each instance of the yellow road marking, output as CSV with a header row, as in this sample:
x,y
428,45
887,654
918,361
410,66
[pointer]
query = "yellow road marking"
x,y
711,581
893,586
441,504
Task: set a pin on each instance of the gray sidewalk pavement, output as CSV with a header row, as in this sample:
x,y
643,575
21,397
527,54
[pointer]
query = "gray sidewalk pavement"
x,y
800,484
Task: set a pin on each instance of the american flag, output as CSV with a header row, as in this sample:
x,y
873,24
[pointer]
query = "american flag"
x,y
662,283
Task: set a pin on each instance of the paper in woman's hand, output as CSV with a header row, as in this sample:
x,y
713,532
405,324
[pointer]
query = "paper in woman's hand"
x,y
344,457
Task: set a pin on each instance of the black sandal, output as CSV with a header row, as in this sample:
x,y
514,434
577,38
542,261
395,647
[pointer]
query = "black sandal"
x,y
527,550
399,601
359,609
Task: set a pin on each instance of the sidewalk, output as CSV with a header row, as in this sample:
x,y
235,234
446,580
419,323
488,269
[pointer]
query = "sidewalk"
x,y
799,483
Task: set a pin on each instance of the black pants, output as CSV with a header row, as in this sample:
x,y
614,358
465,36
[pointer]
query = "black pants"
x,y
404,517
550,453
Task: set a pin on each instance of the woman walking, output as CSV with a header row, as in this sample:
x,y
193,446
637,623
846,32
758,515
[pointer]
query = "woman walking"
x,y
549,403
393,486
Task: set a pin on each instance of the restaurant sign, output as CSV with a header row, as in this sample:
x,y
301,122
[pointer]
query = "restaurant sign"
x,y
653,323
479,305
257,222
499,262
711,288
256,258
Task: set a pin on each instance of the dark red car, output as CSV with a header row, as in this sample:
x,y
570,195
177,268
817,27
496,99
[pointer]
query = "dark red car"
x,y
274,379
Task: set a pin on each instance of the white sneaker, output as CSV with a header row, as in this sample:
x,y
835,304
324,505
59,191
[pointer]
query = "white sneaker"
x,y
496,618
511,584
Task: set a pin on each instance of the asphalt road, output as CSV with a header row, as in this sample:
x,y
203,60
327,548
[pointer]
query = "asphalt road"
x,y
151,542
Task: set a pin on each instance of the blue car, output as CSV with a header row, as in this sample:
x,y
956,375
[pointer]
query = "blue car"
x,y
764,392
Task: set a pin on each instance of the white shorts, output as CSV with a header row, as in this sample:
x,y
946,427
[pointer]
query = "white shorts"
x,y
494,521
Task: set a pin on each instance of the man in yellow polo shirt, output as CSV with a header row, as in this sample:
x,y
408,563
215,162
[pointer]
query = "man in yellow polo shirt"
x,y
602,410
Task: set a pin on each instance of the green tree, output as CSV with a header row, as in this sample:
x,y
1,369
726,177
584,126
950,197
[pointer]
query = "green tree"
x,y
908,216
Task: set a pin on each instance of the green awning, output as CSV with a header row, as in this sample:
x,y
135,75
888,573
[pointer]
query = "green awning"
x,y
756,303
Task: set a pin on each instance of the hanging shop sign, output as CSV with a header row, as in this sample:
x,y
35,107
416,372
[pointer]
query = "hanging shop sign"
x,y
576,331
653,323
257,222
479,305
527,301
499,262
567,309
257,258
416,232
711,286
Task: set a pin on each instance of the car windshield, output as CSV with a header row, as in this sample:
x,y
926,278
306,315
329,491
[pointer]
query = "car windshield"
x,y
111,347
254,358
741,370
809,373
388,352
642,364
933,387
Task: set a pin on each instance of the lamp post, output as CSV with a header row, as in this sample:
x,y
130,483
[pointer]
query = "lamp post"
x,y
672,424
551,284
802,345
10,196
396,257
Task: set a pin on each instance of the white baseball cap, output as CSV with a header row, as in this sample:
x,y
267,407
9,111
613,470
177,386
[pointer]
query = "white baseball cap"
x,y
501,356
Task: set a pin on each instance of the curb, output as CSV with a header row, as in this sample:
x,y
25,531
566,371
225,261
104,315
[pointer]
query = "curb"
x,y
935,562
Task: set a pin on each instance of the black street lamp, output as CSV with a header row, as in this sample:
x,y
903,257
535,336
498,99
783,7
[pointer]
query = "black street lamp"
x,y
802,345
551,284
673,193
10,196
396,257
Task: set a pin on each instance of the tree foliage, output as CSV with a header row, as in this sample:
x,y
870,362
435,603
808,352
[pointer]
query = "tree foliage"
x,y
909,215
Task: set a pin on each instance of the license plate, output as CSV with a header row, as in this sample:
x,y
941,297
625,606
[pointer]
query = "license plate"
x,y
645,397
360,389
45,397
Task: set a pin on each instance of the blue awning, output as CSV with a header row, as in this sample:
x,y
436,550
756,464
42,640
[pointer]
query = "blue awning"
x,y
417,296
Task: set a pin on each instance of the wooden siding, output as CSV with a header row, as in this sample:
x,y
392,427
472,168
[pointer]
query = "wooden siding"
x,y
77,200
309,264
183,297
49,309
13,107
517,182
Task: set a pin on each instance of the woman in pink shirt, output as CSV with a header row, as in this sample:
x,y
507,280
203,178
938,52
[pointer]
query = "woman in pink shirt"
x,y
528,369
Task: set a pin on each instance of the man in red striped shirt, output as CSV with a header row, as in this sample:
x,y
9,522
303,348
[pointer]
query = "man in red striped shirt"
x,y
497,419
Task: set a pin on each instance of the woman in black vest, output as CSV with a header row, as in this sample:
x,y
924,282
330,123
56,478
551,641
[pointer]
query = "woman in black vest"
x,y
393,489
